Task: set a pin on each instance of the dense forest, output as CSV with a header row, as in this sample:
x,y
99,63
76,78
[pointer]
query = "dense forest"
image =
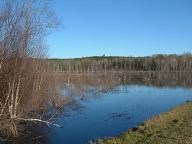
x,y
160,62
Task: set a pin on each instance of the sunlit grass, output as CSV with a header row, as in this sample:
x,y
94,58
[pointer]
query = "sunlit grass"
x,y
174,127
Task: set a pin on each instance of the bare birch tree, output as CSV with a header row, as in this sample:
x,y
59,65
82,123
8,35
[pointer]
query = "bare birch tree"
x,y
23,27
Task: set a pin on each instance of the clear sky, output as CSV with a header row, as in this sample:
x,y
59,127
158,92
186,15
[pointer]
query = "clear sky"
x,y
121,28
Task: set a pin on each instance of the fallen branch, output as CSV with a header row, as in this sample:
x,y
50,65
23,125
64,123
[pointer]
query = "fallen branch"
x,y
41,121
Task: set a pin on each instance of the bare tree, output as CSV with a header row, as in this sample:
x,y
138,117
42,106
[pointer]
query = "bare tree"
x,y
23,85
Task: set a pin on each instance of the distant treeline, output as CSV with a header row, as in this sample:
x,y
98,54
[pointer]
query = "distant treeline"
x,y
160,62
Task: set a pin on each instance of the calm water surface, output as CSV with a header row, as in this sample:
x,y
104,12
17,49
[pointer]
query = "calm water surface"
x,y
110,113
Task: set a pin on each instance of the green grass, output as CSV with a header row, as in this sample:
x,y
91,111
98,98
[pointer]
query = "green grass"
x,y
173,127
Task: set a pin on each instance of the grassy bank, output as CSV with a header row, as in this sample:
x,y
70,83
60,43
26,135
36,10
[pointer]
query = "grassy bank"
x,y
173,127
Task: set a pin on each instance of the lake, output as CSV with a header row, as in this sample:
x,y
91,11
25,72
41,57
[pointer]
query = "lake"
x,y
101,114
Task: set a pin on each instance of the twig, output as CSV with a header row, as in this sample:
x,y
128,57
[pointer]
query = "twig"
x,y
54,114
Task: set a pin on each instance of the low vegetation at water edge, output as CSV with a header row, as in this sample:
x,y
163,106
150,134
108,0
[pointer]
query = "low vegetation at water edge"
x,y
174,127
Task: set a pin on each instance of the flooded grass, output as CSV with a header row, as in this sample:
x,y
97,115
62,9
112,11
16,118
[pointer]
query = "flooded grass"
x,y
173,127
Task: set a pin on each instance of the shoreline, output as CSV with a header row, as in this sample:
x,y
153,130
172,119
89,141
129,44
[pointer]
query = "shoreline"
x,y
174,126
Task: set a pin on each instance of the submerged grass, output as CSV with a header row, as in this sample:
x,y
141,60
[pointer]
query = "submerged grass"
x,y
173,127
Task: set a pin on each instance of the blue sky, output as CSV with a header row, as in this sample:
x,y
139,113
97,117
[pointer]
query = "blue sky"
x,y
121,28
